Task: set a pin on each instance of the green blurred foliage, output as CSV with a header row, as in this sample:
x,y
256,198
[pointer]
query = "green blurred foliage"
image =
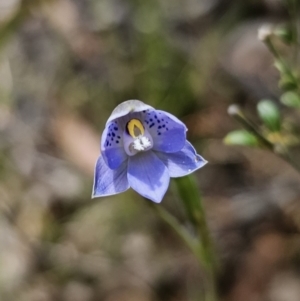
x,y
269,114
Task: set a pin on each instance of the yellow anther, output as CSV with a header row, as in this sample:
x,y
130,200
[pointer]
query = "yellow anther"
x,y
135,128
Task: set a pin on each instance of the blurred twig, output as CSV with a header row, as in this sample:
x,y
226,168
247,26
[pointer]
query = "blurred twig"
x,y
236,112
279,149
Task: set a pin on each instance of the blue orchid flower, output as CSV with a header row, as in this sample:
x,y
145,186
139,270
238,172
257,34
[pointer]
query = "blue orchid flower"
x,y
142,148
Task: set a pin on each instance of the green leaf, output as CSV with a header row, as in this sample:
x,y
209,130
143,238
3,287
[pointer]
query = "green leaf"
x,y
290,99
269,114
241,137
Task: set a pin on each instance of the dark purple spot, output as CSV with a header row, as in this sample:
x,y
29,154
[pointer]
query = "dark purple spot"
x,y
167,129
159,134
155,116
158,120
115,128
113,134
108,134
112,139
151,119
107,142
119,137
117,141
164,126
151,125
159,127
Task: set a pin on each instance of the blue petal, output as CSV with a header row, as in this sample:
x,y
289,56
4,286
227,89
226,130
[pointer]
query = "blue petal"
x,y
148,176
183,162
108,181
126,107
112,147
167,131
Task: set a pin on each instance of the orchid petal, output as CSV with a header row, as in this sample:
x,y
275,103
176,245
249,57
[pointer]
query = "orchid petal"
x,y
183,162
107,181
148,176
112,147
126,107
167,131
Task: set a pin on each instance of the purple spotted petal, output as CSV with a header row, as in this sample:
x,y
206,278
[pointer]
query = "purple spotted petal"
x,y
183,162
167,131
107,181
148,176
126,107
112,147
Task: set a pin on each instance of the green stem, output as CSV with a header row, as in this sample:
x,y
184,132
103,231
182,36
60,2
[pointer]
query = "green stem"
x,y
190,242
193,203
293,9
285,68
202,247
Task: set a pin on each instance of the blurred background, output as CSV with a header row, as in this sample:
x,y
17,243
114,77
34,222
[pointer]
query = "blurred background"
x,y
64,66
